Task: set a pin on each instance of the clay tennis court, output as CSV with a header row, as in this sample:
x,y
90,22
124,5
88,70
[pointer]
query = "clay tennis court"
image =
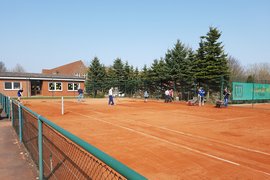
x,y
171,140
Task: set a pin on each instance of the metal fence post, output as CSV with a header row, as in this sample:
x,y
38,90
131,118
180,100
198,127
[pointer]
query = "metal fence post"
x,y
40,149
253,96
12,109
4,104
8,107
20,122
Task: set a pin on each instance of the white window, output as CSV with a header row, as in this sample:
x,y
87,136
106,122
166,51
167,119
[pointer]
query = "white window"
x,y
16,85
12,85
8,85
73,86
55,86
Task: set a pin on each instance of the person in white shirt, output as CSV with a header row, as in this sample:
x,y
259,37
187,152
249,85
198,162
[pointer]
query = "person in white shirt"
x,y
111,96
167,96
146,95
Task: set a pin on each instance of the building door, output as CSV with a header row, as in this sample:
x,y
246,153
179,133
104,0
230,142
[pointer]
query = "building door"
x,y
35,87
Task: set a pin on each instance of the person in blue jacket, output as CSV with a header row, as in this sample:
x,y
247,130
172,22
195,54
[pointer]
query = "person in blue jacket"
x,y
19,94
201,94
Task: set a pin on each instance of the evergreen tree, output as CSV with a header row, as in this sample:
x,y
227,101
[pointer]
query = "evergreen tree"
x,y
211,65
250,79
129,79
127,72
158,76
189,73
118,74
136,81
178,61
111,79
144,76
95,77
200,65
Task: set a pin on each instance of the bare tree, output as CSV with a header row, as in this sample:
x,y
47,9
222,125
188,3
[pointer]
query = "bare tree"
x,y
237,72
2,67
260,72
18,68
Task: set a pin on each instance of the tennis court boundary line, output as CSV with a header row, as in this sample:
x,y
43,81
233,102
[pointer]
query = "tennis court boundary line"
x,y
191,135
175,144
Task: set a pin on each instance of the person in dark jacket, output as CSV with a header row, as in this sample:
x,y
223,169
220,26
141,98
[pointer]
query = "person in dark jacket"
x,y
80,96
19,94
226,95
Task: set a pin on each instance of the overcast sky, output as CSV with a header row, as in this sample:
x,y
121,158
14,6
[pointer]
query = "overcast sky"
x,y
51,33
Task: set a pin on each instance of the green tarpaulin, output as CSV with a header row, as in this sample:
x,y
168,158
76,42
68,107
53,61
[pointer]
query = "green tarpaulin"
x,y
250,91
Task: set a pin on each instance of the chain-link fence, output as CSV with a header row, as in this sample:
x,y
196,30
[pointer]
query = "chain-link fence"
x,y
61,155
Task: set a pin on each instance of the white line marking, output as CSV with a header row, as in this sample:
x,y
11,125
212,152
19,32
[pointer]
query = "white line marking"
x,y
195,136
222,121
185,147
160,139
213,140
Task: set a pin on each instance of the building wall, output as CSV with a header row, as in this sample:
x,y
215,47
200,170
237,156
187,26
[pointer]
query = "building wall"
x,y
13,93
44,88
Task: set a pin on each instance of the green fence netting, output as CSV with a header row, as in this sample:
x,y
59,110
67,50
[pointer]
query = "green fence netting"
x,y
250,91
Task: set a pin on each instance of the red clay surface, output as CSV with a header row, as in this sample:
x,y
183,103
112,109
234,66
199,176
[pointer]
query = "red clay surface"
x,y
171,140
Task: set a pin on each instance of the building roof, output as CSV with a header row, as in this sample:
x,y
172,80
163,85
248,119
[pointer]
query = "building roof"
x,y
39,76
76,68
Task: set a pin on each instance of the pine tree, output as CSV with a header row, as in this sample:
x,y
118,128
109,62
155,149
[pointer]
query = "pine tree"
x,y
129,79
211,66
118,74
144,76
158,76
96,76
178,61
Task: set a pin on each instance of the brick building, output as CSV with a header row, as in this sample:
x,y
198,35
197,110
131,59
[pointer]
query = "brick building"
x,y
35,84
76,68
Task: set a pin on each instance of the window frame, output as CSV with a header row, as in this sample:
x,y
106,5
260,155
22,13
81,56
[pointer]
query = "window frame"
x,y
54,85
73,83
12,85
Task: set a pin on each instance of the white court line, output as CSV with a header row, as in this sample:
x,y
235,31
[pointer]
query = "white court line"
x,y
213,140
182,146
160,139
178,145
221,121
196,136
212,120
